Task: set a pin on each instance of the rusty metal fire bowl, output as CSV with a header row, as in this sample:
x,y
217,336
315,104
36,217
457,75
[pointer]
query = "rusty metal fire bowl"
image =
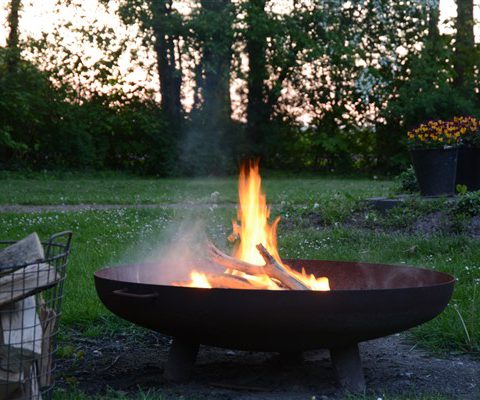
x,y
367,301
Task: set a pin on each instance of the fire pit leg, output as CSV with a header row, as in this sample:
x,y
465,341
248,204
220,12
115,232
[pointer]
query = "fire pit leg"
x,y
348,367
181,359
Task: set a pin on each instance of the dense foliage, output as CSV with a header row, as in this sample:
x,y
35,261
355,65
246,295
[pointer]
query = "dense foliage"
x,y
43,128
328,85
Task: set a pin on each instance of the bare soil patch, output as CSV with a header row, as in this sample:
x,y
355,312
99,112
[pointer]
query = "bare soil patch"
x,y
434,223
391,366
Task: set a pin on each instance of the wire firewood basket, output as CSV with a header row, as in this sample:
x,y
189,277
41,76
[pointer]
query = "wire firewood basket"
x,y
30,307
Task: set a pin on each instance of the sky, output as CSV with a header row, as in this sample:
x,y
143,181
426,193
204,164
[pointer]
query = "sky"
x,y
37,16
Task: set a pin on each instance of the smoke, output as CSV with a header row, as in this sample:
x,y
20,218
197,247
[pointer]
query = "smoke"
x,y
171,255
183,251
205,150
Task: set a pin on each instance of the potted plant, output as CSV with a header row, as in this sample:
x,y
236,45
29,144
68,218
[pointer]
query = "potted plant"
x,y
434,150
468,166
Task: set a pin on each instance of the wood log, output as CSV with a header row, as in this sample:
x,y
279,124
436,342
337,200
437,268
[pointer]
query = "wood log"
x,y
21,333
26,281
277,271
29,389
26,251
24,339
271,268
48,319
228,281
21,330
229,262
10,382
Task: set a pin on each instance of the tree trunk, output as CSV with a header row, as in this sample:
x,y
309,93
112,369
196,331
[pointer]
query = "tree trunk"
x,y
170,76
256,44
464,61
217,55
13,35
208,142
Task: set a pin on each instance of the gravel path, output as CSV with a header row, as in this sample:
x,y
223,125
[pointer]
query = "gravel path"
x,y
21,209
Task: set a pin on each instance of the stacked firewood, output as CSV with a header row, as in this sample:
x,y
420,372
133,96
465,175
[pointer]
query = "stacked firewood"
x,y
26,322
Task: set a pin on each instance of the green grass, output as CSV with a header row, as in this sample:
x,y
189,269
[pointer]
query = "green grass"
x,y
134,190
111,237
121,235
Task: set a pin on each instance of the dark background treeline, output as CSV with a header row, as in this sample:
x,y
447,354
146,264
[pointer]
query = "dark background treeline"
x,y
363,71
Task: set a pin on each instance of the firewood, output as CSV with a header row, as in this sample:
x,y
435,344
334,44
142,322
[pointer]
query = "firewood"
x,y
229,262
227,281
48,319
277,271
271,268
26,251
10,382
21,275
29,388
21,332
21,345
26,281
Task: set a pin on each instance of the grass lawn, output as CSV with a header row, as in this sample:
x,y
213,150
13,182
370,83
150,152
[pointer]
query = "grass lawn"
x,y
115,236
112,237
122,189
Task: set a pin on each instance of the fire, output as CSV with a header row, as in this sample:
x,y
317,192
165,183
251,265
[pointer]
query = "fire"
x,y
199,280
251,229
312,282
254,215
254,227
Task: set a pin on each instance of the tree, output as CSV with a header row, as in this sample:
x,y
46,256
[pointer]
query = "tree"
x,y
256,31
465,55
13,35
216,45
165,45
162,29
274,45
209,134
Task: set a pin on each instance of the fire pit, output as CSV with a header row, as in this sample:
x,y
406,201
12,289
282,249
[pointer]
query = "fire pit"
x,y
367,301
256,301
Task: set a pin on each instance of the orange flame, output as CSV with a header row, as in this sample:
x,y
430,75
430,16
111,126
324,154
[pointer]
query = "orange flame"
x,y
253,228
199,280
254,215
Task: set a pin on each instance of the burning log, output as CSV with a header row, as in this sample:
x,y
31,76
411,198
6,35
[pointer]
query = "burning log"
x,y
272,268
219,257
228,281
277,271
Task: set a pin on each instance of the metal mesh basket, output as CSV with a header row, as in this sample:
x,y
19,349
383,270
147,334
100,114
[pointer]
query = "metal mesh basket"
x,y
30,304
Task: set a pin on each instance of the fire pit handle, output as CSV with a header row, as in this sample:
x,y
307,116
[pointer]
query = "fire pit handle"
x,y
124,293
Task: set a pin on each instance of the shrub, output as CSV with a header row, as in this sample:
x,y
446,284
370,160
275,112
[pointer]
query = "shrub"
x,y
468,204
41,129
406,182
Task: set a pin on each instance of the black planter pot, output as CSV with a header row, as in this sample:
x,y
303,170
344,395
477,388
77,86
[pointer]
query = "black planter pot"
x,y
435,170
468,167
